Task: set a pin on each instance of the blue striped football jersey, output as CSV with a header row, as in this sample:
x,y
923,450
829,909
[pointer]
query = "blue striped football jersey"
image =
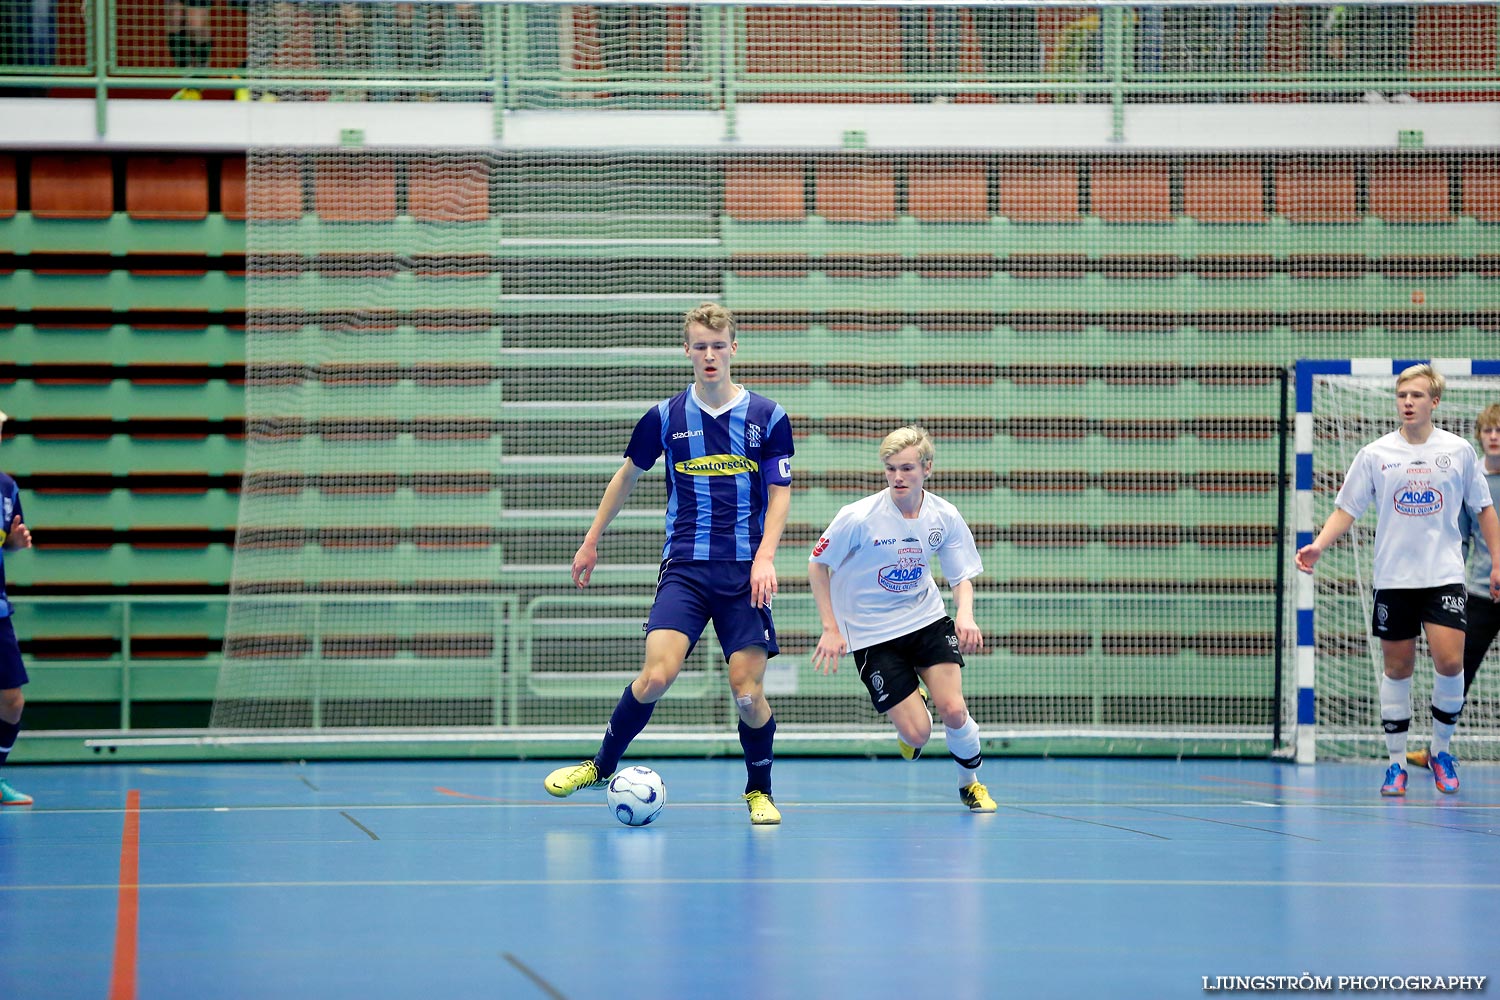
x,y
719,464
10,509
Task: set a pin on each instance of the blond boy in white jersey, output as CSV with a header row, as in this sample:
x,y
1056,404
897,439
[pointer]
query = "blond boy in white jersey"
x,y
1420,476
871,576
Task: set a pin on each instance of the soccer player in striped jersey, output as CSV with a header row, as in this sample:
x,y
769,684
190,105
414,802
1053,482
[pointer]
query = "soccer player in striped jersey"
x,y
13,535
1419,476
871,575
729,472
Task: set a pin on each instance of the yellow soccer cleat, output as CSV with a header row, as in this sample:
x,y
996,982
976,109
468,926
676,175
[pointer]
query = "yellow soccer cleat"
x,y
763,811
977,798
567,780
1419,758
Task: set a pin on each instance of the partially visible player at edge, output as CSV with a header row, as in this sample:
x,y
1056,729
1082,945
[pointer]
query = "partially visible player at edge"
x,y
729,473
1420,476
13,535
871,575
1481,613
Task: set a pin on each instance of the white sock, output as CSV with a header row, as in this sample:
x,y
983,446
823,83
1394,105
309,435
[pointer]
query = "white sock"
x,y
963,746
1448,697
1395,707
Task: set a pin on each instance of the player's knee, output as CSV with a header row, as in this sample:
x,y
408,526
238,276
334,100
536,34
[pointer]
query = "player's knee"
x,y
653,682
952,710
11,703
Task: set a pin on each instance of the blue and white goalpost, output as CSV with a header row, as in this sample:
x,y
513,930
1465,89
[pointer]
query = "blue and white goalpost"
x,y
1342,405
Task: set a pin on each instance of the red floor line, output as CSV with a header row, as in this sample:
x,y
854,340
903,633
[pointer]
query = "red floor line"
x,y
122,978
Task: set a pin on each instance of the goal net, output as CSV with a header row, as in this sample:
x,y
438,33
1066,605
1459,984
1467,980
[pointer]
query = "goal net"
x,y
1342,406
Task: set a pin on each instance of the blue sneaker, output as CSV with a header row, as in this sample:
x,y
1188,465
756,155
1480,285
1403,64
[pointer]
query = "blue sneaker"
x,y
1395,781
10,797
1445,772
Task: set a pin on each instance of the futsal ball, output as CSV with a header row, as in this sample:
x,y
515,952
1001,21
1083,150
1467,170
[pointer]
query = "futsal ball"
x,y
636,795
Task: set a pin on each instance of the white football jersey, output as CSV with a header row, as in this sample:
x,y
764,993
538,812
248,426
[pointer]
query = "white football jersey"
x,y
882,584
1418,490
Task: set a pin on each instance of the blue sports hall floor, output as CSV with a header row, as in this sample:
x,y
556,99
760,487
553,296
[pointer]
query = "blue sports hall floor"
x,y
455,879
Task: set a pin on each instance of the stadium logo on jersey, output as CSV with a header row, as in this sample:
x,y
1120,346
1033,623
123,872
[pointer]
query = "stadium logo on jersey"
x,y
935,537
717,465
1418,501
752,435
904,576
821,547
687,434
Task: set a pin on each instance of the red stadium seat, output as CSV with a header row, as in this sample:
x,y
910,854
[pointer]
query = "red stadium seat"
x,y
1481,180
1132,190
1039,191
1316,191
861,190
1410,190
771,191
166,187
8,187
355,189
449,191
67,186
948,192
278,193
232,187
1224,191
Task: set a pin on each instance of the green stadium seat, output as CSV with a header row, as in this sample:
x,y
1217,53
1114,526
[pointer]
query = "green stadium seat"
x,y
72,186
166,187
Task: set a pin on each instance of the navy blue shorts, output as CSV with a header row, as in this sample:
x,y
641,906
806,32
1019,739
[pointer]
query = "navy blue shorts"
x,y
12,670
691,593
1399,614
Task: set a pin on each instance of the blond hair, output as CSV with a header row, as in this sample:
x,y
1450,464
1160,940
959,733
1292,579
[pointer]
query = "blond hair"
x,y
1488,417
1433,376
711,315
902,438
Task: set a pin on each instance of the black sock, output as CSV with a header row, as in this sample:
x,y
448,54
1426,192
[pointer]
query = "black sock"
x,y
758,755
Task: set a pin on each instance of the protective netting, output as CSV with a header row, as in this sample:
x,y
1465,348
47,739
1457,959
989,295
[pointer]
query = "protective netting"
x,y
448,349
1350,411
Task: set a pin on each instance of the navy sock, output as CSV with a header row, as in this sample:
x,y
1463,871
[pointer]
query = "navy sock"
x,y
625,724
8,732
758,755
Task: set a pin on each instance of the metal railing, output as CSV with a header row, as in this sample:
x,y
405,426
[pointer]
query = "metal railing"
x,y
518,56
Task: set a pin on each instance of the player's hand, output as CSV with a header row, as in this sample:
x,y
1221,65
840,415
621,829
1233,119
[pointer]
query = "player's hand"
x,y
762,582
584,561
1495,583
19,536
970,639
831,646
1307,557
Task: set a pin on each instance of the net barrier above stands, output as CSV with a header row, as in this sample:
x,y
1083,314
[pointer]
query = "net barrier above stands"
x,y
1344,405
447,350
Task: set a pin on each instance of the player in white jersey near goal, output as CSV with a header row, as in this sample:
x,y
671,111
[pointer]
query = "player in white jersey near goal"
x,y
1482,613
871,575
1420,476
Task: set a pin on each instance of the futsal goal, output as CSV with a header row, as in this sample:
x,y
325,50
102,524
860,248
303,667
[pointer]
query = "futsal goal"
x,y
1343,405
